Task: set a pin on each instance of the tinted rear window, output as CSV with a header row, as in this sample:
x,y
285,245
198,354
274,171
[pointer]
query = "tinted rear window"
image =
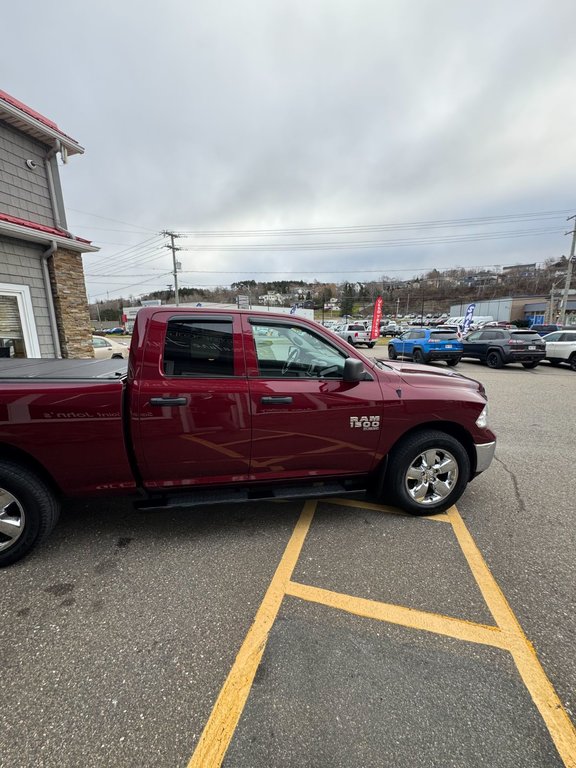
x,y
356,328
199,348
443,335
525,335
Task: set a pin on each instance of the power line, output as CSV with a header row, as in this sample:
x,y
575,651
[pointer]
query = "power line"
x,y
394,243
480,221
126,287
106,218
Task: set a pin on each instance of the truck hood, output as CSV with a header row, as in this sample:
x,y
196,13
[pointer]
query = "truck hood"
x,y
426,376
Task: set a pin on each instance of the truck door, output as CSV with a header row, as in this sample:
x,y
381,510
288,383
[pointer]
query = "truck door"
x,y
190,417
306,420
406,343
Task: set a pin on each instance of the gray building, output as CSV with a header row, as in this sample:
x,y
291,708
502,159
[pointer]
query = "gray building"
x,y
43,304
534,309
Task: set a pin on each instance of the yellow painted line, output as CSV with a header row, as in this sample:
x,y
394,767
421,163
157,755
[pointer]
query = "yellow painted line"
x,y
531,671
440,518
406,617
219,729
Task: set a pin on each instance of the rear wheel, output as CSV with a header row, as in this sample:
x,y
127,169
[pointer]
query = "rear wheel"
x,y
530,365
418,357
371,344
351,341
28,512
453,361
494,359
427,472
392,354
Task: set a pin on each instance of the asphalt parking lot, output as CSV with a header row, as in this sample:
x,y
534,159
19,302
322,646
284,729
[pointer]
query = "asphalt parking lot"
x,y
332,633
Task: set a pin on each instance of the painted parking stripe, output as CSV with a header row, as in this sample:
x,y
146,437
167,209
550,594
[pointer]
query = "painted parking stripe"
x,y
506,635
541,689
224,718
399,614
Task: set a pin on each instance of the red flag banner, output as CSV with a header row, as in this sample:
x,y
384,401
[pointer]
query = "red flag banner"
x,y
376,318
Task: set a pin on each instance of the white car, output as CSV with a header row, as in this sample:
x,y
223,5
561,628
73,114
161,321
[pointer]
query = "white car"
x,y
561,348
107,349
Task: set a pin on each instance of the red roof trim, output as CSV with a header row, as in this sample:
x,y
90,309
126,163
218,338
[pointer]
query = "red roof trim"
x,y
41,228
32,113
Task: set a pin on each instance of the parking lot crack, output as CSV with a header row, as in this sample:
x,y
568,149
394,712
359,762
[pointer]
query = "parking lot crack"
x,y
515,484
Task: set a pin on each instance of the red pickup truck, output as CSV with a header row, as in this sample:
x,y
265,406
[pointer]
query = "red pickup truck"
x,y
231,405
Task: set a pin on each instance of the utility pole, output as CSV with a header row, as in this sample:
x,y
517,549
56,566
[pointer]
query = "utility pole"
x,y
175,264
568,273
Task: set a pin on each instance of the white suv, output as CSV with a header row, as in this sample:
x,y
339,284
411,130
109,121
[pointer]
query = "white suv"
x,y
561,348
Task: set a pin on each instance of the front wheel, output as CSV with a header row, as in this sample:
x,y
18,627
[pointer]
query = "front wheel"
x,y
428,472
572,362
28,512
392,354
494,359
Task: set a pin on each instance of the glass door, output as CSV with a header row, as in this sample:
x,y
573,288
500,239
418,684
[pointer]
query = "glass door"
x,y
18,337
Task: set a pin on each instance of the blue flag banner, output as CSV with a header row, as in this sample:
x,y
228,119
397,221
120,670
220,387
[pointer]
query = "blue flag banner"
x,y
468,319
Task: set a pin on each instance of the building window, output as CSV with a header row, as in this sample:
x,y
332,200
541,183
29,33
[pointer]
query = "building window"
x,y
18,337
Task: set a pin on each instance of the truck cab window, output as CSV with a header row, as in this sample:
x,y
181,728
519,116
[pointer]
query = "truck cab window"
x,y
199,348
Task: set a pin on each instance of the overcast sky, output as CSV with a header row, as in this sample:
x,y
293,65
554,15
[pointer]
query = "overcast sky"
x,y
199,115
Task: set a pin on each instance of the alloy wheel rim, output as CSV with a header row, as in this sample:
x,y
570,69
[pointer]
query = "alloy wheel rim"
x,y
12,519
432,476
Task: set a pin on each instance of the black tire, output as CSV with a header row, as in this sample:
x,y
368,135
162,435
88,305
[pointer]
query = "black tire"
x,y
392,354
350,341
572,362
418,357
371,345
453,361
28,509
530,365
494,359
554,361
116,357
406,458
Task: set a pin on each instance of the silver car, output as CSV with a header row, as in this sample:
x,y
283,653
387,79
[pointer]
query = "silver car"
x,y
355,334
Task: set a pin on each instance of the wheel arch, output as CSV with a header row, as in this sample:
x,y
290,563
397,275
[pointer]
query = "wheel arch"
x,y
25,460
451,428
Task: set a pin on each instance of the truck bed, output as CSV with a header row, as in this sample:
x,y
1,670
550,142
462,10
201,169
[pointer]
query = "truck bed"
x,y
66,415
62,370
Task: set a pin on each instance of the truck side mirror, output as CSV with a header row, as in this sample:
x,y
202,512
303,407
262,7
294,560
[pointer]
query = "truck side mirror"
x,y
353,369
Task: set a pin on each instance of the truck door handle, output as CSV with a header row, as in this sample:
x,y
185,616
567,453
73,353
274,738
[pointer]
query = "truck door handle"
x,y
168,401
276,400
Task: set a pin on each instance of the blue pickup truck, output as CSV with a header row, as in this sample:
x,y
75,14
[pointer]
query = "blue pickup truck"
x,y
422,345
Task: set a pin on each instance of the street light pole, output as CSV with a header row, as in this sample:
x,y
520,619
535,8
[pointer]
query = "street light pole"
x,y
568,275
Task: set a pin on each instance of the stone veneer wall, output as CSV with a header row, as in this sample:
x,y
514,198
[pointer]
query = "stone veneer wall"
x,y
71,304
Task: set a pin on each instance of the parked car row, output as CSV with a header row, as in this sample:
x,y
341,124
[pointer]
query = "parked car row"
x,y
493,345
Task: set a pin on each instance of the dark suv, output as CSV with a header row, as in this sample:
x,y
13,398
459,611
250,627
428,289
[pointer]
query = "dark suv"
x,y
542,330
499,346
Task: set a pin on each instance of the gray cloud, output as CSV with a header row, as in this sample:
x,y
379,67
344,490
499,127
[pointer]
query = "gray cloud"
x,y
254,115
